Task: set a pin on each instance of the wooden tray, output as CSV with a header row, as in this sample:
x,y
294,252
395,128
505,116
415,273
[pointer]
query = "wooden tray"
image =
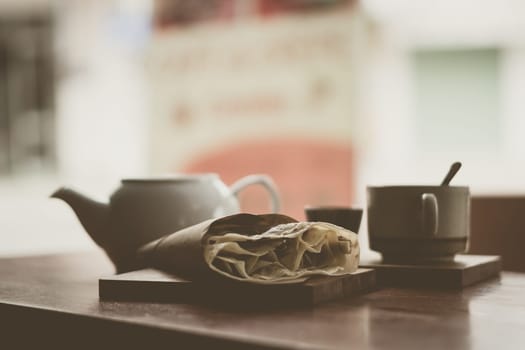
x,y
463,271
157,286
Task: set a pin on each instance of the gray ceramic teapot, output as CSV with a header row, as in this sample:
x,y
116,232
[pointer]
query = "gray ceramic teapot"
x,y
142,210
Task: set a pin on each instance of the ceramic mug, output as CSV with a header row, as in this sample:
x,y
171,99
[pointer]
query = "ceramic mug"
x,y
418,223
349,218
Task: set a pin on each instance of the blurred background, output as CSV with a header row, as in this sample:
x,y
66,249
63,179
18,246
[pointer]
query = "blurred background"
x,y
325,96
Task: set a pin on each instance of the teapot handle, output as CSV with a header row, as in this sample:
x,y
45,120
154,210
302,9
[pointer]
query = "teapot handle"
x,y
263,180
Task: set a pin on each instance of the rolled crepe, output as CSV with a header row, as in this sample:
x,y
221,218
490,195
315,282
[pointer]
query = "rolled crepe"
x,y
265,249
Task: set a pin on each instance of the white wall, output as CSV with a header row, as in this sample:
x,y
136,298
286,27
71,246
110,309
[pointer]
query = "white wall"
x,y
102,98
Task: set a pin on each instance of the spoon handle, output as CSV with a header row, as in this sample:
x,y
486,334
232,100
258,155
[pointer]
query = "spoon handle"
x,y
454,168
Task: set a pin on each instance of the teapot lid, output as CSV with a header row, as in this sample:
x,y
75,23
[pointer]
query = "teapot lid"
x,y
171,178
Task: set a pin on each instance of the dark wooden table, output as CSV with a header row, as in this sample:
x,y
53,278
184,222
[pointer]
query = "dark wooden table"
x,y
54,299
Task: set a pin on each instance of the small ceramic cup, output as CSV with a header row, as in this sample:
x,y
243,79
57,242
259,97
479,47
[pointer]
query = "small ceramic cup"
x,y
346,217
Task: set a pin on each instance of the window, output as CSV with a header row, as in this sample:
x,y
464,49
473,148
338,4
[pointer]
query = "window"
x,y
457,99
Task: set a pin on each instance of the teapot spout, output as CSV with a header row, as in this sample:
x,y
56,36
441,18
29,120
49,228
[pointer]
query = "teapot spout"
x,y
93,215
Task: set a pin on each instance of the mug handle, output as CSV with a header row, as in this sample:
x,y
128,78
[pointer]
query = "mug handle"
x,y
263,180
430,214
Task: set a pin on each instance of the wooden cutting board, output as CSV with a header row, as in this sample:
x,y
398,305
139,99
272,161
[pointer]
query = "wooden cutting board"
x,y
463,271
156,286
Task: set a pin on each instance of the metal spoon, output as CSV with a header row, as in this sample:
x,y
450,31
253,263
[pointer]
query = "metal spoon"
x,y
454,168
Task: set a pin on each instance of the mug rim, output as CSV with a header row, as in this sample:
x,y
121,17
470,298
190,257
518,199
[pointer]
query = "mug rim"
x,y
171,178
331,207
434,187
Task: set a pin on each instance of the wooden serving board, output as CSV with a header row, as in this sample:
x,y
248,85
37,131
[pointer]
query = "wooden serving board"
x,y
156,286
463,271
